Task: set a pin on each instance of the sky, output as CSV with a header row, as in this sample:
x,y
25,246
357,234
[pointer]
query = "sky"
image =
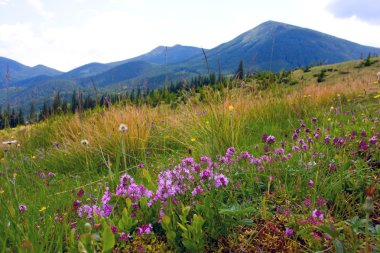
x,y
65,34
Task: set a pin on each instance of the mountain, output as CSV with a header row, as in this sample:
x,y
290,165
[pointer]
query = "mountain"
x,y
269,46
87,70
19,71
275,46
159,55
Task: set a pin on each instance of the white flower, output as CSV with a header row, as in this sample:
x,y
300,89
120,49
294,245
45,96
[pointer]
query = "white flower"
x,y
84,142
9,142
123,128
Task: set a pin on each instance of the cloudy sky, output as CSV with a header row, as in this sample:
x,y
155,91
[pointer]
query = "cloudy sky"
x,y
65,34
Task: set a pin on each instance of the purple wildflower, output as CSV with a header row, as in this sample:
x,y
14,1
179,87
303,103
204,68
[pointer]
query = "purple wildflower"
x,y
114,229
197,190
373,140
296,148
363,145
144,229
220,180
289,232
317,214
271,139
124,236
22,208
310,183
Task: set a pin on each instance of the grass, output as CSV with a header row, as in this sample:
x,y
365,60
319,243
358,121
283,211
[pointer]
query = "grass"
x,y
266,205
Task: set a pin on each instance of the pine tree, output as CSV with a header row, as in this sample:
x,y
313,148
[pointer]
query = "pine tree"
x,y
240,71
74,102
32,113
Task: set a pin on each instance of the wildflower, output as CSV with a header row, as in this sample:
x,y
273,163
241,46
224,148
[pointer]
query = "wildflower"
x,y
124,236
307,202
220,180
295,136
114,229
327,139
9,142
144,229
279,151
310,183
42,209
317,214
296,148
363,145
123,128
50,174
77,203
230,108
271,139
22,208
84,142
305,147
42,175
264,138
192,139
321,201
363,134
373,140
289,232
314,120
197,190
80,192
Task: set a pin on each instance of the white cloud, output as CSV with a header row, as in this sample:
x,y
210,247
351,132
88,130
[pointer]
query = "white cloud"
x,y
40,8
4,2
365,10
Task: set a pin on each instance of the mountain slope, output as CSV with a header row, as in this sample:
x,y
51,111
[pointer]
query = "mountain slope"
x,y
174,54
275,46
19,71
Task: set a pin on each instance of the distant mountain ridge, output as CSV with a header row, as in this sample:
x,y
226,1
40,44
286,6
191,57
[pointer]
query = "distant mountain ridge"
x,y
269,46
20,72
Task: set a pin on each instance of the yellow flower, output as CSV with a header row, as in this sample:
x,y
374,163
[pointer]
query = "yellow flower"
x,y
376,82
33,157
329,119
207,122
18,145
42,209
230,108
377,96
192,139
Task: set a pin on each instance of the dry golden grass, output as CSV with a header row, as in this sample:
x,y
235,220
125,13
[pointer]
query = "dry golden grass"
x,y
227,118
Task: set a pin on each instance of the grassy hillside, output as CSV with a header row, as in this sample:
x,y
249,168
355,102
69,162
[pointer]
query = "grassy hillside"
x,y
255,168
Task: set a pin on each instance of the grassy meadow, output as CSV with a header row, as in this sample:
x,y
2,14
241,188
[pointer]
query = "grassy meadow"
x,y
285,168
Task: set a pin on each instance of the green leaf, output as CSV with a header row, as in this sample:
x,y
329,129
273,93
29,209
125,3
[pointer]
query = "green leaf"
x,y
338,246
81,248
108,239
184,229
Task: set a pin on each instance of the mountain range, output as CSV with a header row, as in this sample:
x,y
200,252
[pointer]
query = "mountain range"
x,y
271,46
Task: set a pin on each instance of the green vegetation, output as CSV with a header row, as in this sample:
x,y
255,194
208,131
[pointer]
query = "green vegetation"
x,y
281,163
